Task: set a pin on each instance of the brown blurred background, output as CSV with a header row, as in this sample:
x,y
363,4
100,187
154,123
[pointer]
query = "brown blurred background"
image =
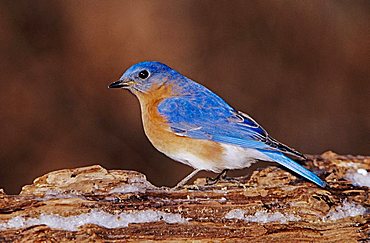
x,y
300,68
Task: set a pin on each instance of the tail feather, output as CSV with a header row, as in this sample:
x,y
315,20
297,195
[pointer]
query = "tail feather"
x,y
294,166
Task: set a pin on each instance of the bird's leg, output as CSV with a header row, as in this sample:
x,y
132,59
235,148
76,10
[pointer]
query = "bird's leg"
x,y
221,176
185,180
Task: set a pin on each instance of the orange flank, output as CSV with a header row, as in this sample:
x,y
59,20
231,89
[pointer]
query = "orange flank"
x,y
160,135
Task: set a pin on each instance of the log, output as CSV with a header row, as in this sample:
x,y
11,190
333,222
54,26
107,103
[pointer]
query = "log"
x,y
95,204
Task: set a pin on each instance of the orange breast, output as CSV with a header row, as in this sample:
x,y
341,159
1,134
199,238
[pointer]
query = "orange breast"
x,y
160,135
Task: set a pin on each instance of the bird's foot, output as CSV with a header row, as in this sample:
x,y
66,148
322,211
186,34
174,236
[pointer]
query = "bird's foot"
x,y
220,177
211,181
226,179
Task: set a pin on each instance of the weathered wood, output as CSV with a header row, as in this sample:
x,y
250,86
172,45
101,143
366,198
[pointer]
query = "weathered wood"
x,y
271,205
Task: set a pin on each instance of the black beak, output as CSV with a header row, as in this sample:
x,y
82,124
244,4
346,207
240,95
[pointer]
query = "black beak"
x,y
117,84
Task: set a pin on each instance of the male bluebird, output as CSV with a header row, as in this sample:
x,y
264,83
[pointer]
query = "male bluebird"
x,y
192,125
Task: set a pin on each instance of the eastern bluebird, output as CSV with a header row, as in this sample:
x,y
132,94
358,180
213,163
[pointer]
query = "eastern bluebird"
x,y
192,125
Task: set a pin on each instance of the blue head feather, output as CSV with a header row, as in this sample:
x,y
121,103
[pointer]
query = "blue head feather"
x,y
158,74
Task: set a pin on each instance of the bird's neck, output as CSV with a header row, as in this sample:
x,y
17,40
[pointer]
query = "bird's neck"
x,y
155,95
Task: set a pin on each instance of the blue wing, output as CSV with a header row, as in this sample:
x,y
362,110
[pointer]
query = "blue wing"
x,y
207,116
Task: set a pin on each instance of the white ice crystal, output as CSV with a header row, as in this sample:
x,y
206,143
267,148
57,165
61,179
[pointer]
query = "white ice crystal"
x,y
101,218
360,177
222,200
345,210
261,216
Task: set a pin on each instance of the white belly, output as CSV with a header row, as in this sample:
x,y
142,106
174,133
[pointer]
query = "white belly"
x,y
233,157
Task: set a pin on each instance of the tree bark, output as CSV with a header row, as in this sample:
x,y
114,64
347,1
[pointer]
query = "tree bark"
x,y
95,204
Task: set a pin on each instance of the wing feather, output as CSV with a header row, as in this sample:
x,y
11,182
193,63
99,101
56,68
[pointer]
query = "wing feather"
x,y
219,123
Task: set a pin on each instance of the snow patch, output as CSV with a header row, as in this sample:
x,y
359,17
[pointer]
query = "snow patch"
x,y
101,218
360,177
261,216
345,210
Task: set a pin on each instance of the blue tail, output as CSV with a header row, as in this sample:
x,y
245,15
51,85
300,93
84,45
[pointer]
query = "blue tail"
x,y
294,166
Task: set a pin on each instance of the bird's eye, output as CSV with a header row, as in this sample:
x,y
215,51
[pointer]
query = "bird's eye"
x,y
143,74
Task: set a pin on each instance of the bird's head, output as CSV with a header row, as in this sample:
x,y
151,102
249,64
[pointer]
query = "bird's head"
x,y
145,77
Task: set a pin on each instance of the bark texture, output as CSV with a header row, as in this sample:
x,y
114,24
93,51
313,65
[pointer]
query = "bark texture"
x,y
271,205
